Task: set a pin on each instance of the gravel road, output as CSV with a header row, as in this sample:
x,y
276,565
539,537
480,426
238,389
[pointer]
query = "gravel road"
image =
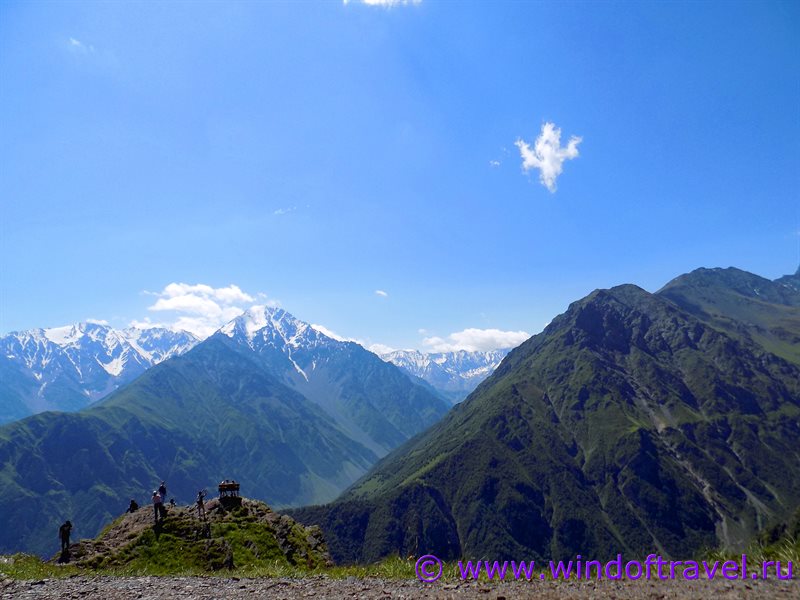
x,y
169,588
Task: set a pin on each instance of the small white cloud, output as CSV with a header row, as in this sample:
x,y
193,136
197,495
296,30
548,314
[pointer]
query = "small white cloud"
x,y
494,163
146,323
284,211
385,3
547,155
380,348
97,321
381,293
79,47
476,340
198,308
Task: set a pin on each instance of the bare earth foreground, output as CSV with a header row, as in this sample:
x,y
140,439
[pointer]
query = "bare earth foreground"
x,y
160,588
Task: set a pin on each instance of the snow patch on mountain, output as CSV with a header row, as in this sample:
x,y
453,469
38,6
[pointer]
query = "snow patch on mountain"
x,y
63,336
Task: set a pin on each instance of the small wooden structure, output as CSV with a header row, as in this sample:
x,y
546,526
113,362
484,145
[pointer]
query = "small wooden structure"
x,y
228,489
229,494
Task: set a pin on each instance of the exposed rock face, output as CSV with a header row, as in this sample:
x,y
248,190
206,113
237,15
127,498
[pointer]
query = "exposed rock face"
x,y
248,535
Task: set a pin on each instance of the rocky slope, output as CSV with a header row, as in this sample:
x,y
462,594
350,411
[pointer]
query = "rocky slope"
x,y
248,535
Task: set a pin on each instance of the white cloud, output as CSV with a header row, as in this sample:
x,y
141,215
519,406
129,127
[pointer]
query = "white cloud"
x,y
198,308
284,211
79,47
385,3
380,348
475,340
494,163
190,303
146,323
229,294
381,293
547,155
97,321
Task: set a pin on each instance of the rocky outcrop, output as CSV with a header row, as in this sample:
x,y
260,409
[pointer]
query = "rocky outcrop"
x,y
249,535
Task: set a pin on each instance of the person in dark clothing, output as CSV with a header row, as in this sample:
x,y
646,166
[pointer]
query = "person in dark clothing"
x,y
201,504
134,506
162,491
63,533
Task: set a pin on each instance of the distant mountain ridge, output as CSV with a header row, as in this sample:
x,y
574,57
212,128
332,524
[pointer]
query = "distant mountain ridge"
x,y
291,413
452,374
743,304
634,423
67,368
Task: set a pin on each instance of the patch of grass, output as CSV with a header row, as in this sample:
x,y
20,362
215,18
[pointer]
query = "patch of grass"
x,y
24,566
779,543
785,550
27,566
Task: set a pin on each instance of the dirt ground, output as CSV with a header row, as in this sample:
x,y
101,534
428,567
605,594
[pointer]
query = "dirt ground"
x,y
163,588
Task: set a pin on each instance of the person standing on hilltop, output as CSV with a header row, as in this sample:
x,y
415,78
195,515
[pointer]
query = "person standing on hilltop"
x,y
63,534
158,506
162,490
201,505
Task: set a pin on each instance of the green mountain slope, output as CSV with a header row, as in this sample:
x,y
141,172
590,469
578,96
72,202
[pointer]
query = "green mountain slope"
x,y
194,420
628,425
767,312
372,401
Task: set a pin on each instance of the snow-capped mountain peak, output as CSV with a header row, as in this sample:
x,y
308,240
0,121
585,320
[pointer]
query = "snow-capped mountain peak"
x,y
274,326
454,374
66,368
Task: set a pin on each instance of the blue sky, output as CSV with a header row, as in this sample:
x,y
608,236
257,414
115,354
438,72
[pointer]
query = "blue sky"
x,y
314,153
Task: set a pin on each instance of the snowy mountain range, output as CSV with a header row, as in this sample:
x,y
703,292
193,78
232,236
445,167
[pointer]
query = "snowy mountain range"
x,y
67,368
374,403
452,374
